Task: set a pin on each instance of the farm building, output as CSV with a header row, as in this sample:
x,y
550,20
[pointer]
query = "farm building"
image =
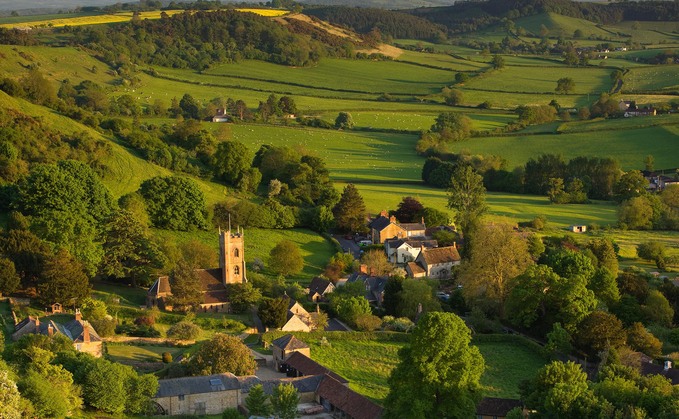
x,y
204,395
578,228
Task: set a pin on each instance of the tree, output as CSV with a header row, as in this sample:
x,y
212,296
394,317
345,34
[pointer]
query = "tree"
x,y
452,126
433,217
416,294
497,255
605,253
128,250
631,184
467,196
51,390
273,312
657,309
408,210
348,307
652,250
286,259
232,161
498,62
10,399
452,97
600,331
560,390
222,354
284,400
242,296
376,262
565,85
186,287
184,330
257,402
174,203
559,340
63,280
439,372
344,121
9,279
350,211
640,339
92,309
190,107
636,213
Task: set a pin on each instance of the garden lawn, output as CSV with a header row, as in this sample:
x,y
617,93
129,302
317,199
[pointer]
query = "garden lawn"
x,y
126,354
126,295
509,360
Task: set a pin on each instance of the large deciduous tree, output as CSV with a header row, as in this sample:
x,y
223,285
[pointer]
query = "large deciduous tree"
x,y
63,280
186,287
350,211
408,210
174,203
284,400
467,196
128,251
9,279
497,255
232,161
222,354
439,372
286,259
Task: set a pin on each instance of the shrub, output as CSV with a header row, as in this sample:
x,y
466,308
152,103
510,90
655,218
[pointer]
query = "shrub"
x,y
144,321
368,322
167,357
104,327
184,330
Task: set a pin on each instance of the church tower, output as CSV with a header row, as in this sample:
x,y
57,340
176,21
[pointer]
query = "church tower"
x,y
232,257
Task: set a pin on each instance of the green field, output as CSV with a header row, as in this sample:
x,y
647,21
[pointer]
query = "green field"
x,y
662,78
126,354
315,250
559,25
442,60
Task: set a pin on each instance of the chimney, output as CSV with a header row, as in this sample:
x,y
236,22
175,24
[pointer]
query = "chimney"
x,y
372,271
363,269
37,323
422,220
50,330
454,245
392,219
384,213
86,332
668,365
78,316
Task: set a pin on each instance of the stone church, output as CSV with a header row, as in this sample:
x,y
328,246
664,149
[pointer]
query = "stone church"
x,y
213,281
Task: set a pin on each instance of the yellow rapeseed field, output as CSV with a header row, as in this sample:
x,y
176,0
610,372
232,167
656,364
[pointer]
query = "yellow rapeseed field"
x,y
117,17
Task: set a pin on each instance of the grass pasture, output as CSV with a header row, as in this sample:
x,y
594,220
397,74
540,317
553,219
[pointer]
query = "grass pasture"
x,y
628,146
441,60
127,354
559,25
315,249
660,78
55,21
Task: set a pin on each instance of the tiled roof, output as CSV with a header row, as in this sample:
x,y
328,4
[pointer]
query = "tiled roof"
x,y
307,366
210,279
440,255
215,297
374,285
289,343
161,287
415,268
197,385
342,397
492,406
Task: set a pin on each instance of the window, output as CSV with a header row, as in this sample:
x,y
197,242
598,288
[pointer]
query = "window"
x,y
199,408
235,253
181,397
236,271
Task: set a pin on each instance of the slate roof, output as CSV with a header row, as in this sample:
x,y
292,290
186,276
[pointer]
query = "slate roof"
x,y
672,374
319,285
307,366
438,255
197,385
492,406
412,226
289,343
76,329
379,223
306,384
210,279
161,287
374,285
73,330
353,404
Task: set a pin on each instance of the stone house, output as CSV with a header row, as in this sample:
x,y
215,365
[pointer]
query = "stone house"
x,y
402,251
374,285
319,289
299,320
79,331
204,395
285,346
213,281
384,227
434,263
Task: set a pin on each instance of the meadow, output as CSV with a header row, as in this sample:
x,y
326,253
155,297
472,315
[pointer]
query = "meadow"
x,y
55,21
660,78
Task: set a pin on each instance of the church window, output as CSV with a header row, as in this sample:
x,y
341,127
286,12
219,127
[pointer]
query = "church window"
x,y
235,253
236,271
